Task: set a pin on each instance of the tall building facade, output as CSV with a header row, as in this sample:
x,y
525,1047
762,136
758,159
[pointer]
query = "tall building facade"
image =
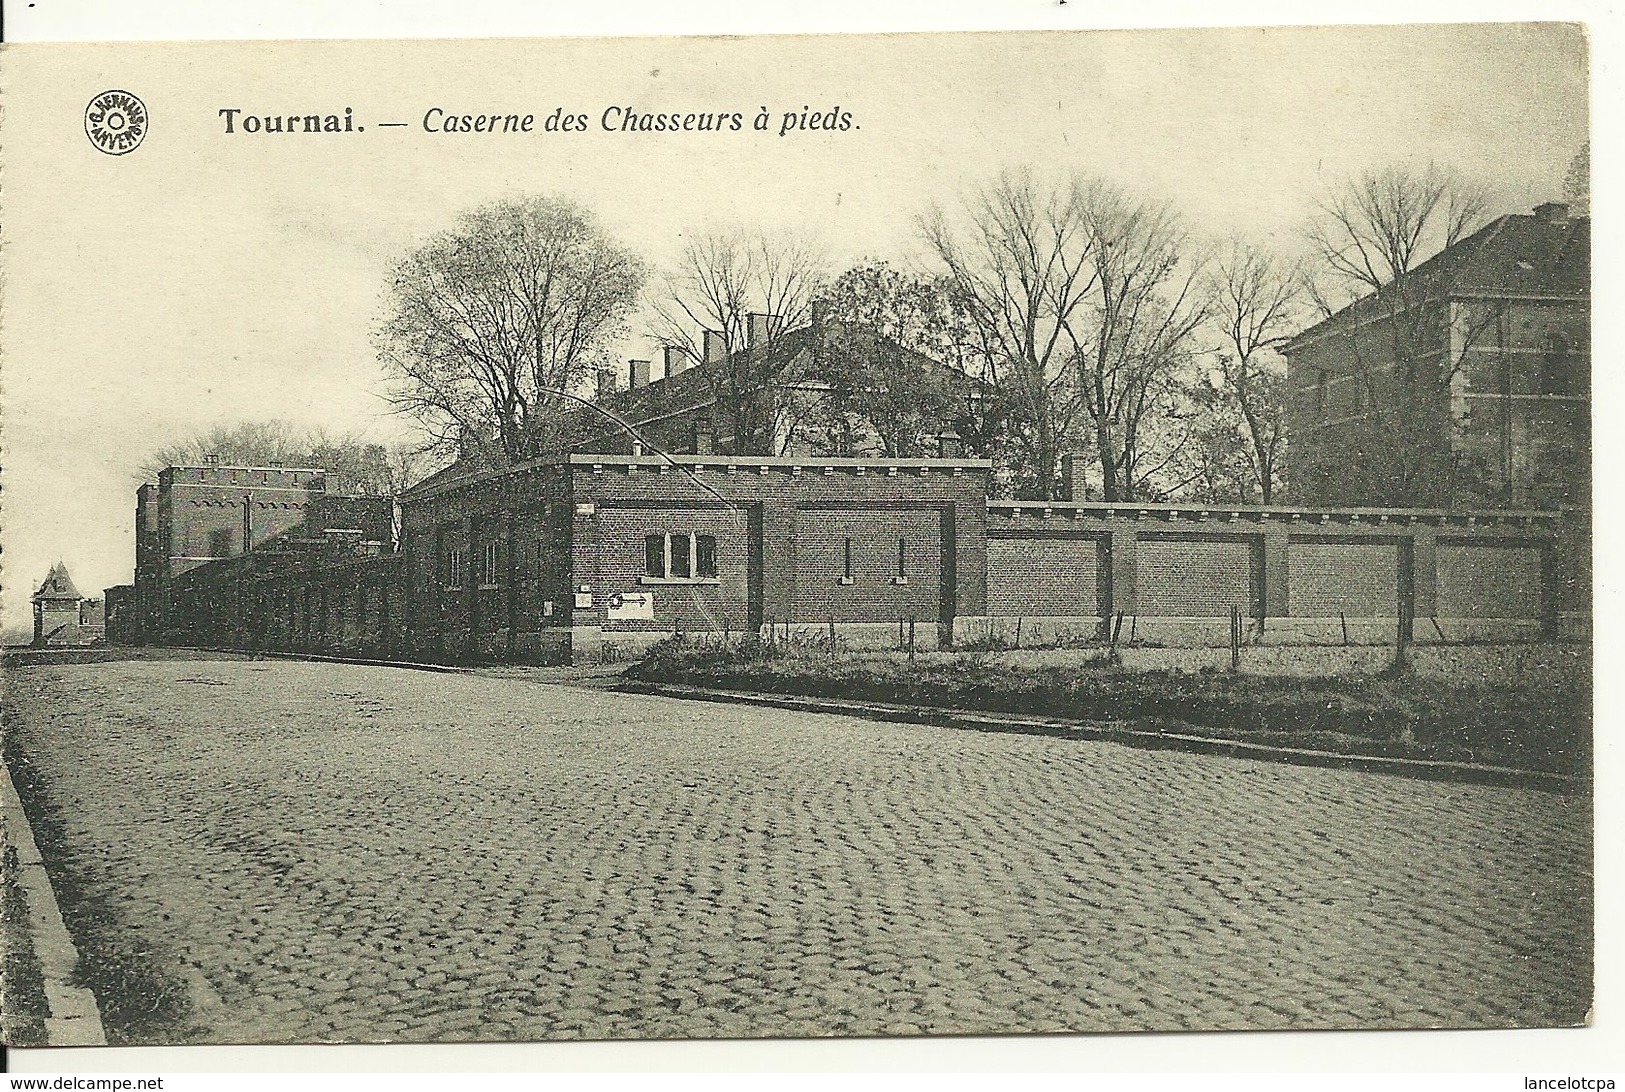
x,y
1466,383
194,515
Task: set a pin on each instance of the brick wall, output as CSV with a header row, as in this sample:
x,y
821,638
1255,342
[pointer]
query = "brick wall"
x,y
793,507
1342,577
873,594
781,529
200,510
621,568
1049,576
1482,580
1291,571
1188,577
525,515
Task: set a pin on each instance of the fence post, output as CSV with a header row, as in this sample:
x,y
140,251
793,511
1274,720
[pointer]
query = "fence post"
x,y
1235,638
1403,637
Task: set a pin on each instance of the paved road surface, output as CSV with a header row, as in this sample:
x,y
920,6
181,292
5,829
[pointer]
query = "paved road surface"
x,y
319,852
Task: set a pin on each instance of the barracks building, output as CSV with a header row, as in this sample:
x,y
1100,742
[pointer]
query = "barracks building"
x,y
605,549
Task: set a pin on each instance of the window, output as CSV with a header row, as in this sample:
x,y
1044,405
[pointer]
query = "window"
x,y
488,565
680,551
1562,369
846,562
705,556
902,562
454,568
679,557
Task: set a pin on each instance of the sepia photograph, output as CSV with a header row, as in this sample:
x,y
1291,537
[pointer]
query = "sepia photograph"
x,y
797,536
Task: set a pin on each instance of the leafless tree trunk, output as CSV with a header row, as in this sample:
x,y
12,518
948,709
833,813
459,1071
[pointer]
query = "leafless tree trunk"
x,y
1133,339
1020,258
724,279
1374,237
1257,305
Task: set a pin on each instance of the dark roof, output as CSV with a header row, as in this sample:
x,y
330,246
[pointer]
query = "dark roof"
x,y
58,585
1512,256
457,469
690,389
670,395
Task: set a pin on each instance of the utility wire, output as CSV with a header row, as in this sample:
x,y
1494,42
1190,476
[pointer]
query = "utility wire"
x,y
626,427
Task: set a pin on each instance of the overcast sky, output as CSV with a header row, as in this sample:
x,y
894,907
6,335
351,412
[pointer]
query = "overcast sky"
x,y
205,278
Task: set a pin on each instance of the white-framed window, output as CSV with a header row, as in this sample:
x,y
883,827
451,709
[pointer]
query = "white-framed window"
x,y
488,565
454,567
680,556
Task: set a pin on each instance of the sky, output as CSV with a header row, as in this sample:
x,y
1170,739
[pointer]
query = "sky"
x,y
208,278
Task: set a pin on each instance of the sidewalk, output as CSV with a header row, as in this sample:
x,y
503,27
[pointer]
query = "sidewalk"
x,y
70,1016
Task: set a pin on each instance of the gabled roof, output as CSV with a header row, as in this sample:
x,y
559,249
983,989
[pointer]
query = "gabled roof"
x,y
693,388
1521,256
689,389
668,396
58,585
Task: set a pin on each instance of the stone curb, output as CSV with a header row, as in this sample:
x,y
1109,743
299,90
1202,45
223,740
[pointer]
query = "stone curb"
x,y
1428,769
317,657
75,1019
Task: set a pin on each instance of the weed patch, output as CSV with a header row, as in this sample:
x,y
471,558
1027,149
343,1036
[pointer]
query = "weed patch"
x,y
1543,727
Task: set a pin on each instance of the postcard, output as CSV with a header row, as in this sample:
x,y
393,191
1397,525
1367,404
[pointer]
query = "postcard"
x,y
802,536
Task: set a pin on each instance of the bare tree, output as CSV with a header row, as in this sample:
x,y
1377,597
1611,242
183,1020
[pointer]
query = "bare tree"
x,y
726,278
1374,238
486,323
1132,340
1257,304
1019,256
1577,182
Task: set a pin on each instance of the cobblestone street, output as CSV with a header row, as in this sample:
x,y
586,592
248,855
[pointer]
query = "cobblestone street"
x,y
341,853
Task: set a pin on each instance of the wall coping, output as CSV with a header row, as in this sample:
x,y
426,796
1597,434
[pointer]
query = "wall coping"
x,y
721,463
1284,514
805,462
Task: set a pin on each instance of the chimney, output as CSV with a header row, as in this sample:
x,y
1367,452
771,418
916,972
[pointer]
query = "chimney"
x,y
757,326
606,383
676,360
949,445
716,347
1074,482
211,459
1552,212
468,442
704,440
637,374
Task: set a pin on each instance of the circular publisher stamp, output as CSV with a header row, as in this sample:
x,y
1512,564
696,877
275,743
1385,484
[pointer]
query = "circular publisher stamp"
x,y
116,122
